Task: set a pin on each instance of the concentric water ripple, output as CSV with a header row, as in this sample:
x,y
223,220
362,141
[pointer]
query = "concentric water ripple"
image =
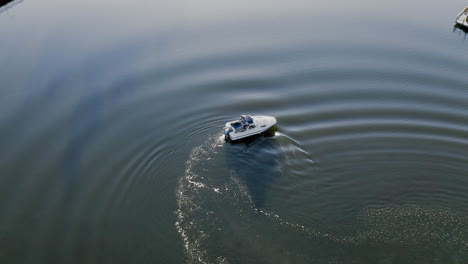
x,y
111,133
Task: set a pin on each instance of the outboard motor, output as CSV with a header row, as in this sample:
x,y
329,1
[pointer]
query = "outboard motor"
x,y
227,130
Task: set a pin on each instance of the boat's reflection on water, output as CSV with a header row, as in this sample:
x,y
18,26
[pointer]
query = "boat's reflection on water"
x,y
6,4
461,30
253,160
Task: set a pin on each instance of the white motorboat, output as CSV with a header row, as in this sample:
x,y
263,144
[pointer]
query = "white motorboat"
x,y
462,18
248,126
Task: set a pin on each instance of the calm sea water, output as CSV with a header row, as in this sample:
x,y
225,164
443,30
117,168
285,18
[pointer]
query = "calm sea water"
x,y
111,116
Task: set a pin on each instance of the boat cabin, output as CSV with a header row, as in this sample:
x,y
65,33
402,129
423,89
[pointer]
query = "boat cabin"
x,y
244,123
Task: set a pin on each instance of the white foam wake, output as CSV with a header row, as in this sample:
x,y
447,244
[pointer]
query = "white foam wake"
x,y
219,223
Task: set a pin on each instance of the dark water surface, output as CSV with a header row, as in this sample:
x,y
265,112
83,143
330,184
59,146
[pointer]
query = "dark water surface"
x,y
111,116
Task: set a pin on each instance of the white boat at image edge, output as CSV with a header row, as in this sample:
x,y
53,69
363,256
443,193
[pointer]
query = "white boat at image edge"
x,y
462,18
248,126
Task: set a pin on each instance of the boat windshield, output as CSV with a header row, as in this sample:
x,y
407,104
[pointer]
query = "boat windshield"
x,y
246,119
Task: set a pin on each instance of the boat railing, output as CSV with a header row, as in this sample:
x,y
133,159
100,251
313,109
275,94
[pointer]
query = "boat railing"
x,y
464,12
462,18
